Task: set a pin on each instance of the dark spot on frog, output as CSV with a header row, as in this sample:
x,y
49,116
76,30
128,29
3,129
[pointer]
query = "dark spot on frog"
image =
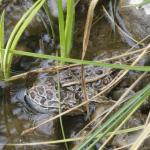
x,y
50,81
40,89
75,72
88,71
31,77
98,71
97,84
106,80
32,93
63,94
49,94
42,100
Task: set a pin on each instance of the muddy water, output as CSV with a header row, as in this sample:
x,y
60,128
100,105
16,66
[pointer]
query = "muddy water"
x,y
15,117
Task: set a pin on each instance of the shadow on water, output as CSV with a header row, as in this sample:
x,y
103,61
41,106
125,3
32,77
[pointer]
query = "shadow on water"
x,y
14,118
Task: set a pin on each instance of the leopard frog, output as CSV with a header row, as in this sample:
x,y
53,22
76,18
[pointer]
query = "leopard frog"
x,y
63,90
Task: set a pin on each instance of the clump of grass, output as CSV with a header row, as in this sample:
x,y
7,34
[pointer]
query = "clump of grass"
x,y
7,56
116,120
65,29
48,13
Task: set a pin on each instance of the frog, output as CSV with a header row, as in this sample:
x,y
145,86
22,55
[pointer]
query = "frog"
x,y
60,91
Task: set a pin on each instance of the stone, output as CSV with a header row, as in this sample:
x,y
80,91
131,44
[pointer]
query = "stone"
x,y
135,18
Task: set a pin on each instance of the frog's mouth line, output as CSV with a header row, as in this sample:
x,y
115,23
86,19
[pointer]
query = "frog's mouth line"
x,y
34,107
37,108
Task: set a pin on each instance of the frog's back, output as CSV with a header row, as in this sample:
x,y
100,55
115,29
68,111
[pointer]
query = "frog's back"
x,y
45,96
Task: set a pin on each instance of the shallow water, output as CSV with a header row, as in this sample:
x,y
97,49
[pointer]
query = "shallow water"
x,y
15,118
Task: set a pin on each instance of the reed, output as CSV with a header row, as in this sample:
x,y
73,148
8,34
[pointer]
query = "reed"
x,y
66,28
16,34
122,115
2,40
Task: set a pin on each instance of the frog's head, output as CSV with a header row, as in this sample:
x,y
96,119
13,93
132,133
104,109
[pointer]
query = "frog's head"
x,y
42,98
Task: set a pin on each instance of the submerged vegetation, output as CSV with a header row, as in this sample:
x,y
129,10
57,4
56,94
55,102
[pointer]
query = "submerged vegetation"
x,y
111,122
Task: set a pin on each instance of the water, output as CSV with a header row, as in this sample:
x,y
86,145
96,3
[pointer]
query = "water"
x,y
15,118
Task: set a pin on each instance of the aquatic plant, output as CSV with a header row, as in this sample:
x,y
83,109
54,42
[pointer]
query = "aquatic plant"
x,y
83,62
49,16
16,34
115,121
2,40
66,28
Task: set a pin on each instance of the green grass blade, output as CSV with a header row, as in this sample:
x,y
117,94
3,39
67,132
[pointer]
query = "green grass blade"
x,y
47,11
83,62
69,26
61,28
17,32
66,30
122,118
2,39
128,109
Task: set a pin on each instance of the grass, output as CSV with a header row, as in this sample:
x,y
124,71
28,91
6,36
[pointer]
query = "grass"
x,y
66,26
116,120
65,30
2,39
61,28
84,62
16,34
48,13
